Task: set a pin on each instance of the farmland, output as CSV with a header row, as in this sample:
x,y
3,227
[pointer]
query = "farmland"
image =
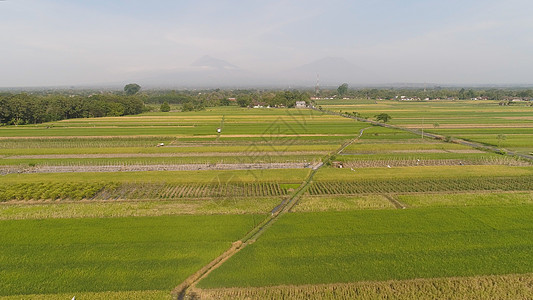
x,y
132,206
111,254
509,127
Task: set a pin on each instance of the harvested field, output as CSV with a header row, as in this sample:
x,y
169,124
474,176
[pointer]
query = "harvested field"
x,y
342,203
515,286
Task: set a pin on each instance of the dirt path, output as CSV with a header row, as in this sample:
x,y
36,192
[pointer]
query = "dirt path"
x,y
182,291
394,201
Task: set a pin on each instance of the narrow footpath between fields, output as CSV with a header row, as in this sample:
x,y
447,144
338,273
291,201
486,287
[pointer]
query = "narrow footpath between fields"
x,y
182,291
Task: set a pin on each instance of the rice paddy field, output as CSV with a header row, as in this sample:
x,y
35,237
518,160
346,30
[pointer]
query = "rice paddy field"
x,y
308,205
509,127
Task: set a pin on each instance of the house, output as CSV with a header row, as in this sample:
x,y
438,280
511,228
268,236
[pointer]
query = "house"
x,y
300,104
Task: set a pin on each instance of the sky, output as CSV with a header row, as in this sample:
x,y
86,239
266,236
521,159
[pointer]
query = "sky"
x,y
72,42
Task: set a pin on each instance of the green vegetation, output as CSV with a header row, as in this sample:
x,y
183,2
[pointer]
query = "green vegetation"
x,y
479,121
130,295
128,235
383,117
114,254
467,199
50,191
130,208
376,245
341,203
435,184
19,109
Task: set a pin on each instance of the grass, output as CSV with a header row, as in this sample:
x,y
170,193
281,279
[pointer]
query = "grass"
x,y
480,121
379,245
466,199
342,203
108,209
122,248
130,295
113,254
267,123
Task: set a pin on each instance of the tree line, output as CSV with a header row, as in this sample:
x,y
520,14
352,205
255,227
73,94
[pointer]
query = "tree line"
x,y
428,93
46,106
23,108
198,100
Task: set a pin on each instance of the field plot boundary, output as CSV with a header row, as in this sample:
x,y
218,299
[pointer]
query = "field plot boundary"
x,y
182,290
421,133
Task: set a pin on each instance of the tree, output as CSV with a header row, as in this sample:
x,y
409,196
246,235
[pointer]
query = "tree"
x,y
225,102
462,94
165,107
244,100
132,89
342,89
187,107
383,117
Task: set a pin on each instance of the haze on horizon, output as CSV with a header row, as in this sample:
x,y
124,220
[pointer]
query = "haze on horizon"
x,y
60,42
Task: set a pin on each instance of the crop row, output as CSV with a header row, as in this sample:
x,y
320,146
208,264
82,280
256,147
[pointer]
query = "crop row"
x,y
243,158
206,190
75,142
408,162
50,191
422,185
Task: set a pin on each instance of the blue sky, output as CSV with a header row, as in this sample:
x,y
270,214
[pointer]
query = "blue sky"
x,y
48,42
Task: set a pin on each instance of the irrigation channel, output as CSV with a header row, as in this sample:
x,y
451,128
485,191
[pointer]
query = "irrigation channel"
x,y
182,291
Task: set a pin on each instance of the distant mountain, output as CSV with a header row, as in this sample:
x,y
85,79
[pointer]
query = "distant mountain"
x,y
208,71
331,71
203,72
209,62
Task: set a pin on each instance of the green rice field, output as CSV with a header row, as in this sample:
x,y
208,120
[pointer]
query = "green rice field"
x,y
134,207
